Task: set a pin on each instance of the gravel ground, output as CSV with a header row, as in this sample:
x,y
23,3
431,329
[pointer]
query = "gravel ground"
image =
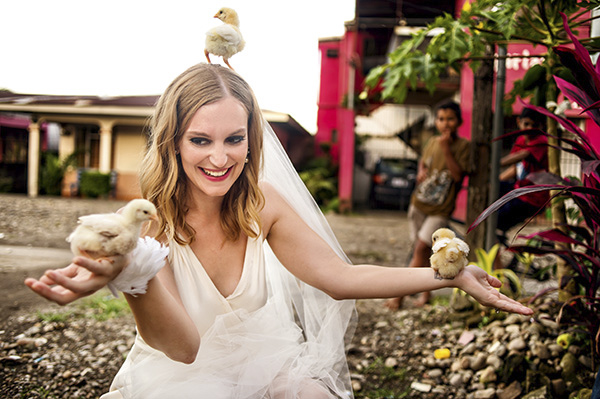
x,y
47,351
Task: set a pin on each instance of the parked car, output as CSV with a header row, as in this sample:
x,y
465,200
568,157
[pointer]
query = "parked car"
x,y
392,183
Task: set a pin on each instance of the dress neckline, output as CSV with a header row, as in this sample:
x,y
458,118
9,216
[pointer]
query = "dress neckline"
x,y
238,287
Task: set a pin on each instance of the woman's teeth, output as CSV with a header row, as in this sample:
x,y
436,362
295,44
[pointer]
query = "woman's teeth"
x,y
215,173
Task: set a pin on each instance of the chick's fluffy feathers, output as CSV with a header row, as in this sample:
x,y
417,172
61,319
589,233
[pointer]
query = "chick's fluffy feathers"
x,y
449,254
103,235
225,40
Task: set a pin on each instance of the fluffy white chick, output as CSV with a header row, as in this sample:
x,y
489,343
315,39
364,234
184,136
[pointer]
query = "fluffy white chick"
x,y
110,234
449,254
225,40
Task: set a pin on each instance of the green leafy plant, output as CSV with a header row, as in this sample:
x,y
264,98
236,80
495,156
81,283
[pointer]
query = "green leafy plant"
x,y
53,171
94,184
450,41
511,284
580,242
526,259
320,178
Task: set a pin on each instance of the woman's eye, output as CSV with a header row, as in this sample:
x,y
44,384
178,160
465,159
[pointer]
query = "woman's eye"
x,y
199,140
236,139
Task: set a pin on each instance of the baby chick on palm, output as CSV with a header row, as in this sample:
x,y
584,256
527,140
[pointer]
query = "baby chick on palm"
x,y
225,40
104,235
449,254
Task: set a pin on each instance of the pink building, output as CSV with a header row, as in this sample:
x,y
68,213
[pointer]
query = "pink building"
x,y
346,60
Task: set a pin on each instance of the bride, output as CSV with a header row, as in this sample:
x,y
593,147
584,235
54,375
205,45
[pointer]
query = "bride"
x,y
255,298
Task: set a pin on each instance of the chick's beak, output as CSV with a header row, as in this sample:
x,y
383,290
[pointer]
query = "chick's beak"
x,y
154,217
216,15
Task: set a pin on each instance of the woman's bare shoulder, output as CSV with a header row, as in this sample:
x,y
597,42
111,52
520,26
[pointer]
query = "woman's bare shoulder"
x,y
274,205
267,189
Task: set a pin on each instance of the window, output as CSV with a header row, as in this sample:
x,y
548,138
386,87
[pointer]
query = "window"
x,y
87,144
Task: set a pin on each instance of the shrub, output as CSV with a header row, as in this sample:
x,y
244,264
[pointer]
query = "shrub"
x,y
94,184
53,171
320,177
6,183
581,239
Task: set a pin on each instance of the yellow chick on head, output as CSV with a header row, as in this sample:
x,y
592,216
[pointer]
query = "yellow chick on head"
x,y
225,40
110,234
449,254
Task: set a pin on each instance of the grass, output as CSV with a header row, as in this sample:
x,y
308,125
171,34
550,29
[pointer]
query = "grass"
x,y
391,382
53,316
440,300
38,392
105,307
100,306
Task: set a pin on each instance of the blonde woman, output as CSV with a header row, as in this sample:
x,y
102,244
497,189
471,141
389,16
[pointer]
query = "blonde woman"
x,y
255,299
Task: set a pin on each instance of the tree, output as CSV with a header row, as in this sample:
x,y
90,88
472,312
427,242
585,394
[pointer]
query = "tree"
x,y
480,26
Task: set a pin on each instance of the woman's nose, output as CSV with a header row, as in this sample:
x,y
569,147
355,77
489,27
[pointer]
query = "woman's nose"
x,y
218,157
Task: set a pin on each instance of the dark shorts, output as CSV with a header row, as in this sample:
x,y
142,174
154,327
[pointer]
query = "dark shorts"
x,y
514,212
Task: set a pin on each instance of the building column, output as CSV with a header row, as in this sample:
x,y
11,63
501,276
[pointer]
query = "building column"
x,y
33,159
346,120
346,163
105,145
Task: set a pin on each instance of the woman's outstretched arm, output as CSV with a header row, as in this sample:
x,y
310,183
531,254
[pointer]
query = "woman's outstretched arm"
x,y
311,259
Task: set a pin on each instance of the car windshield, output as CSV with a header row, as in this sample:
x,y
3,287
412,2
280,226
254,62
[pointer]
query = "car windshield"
x,y
395,166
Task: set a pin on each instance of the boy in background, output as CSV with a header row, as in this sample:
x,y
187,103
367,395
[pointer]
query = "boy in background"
x,y
528,156
442,167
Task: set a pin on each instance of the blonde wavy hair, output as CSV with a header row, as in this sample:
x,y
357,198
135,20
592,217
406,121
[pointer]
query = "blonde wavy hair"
x,y
162,179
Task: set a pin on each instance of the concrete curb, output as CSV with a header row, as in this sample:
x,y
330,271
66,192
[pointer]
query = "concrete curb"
x,y
14,257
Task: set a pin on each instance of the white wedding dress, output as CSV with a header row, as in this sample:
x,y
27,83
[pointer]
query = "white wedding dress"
x,y
273,337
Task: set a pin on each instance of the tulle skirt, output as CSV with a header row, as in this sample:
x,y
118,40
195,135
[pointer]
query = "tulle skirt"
x,y
243,355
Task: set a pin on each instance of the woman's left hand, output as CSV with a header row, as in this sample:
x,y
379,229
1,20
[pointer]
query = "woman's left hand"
x,y
483,288
81,278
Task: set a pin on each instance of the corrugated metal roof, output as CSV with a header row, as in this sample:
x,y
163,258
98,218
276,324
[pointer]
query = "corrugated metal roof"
x,y
125,106
7,97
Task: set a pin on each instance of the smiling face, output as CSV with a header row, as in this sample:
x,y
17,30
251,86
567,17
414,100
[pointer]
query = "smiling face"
x,y
214,147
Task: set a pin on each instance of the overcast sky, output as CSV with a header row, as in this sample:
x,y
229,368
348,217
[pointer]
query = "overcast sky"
x,y
136,47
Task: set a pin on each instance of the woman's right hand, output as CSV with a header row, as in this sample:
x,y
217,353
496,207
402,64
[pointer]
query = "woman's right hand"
x,y
81,278
485,290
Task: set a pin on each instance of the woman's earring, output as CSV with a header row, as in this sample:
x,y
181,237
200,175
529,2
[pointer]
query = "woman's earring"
x,y
247,155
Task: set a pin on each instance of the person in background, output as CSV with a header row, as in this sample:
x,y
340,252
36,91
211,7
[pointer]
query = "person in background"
x,y
527,158
442,166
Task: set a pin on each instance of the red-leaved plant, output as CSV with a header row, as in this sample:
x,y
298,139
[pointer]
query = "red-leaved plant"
x,y
581,240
